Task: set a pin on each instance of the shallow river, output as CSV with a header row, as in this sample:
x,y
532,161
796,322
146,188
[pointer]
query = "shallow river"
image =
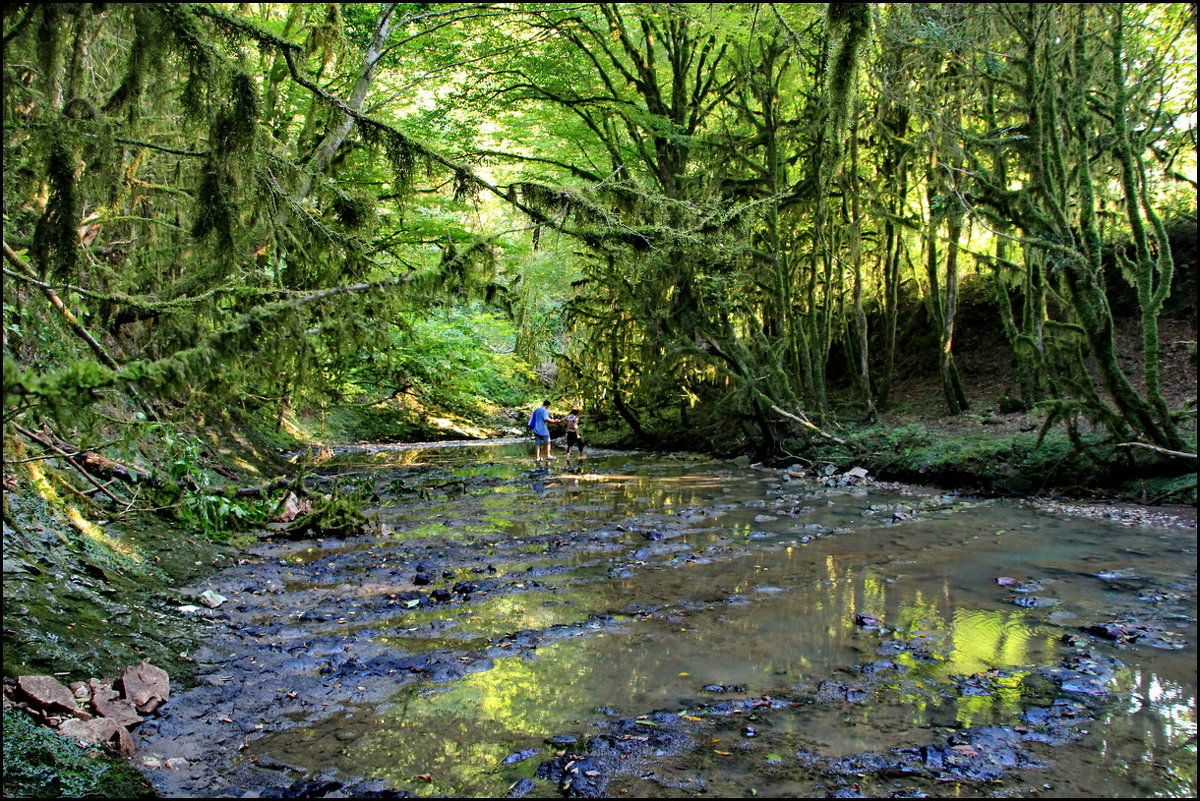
x,y
668,626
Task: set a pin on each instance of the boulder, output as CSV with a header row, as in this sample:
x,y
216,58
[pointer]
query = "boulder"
x,y
109,704
47,694
145,685
100,731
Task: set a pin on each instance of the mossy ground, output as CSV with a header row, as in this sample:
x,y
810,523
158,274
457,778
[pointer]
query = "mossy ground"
x,y
39,763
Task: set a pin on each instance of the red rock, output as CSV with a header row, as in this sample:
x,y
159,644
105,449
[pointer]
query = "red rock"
x,y
100,731
145,685
47,693
117,708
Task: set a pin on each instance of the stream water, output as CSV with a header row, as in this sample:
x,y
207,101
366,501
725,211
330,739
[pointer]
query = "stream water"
x,y
667,626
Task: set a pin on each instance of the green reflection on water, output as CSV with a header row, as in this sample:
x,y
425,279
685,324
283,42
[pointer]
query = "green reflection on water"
x,y
458,736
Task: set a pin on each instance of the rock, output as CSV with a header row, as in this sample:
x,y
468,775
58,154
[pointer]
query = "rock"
x,y
146,686
110,705
520,756
100,731
521,788
176,763
212,599
47,693
294,507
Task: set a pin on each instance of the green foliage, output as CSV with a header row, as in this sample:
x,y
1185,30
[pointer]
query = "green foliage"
x,y
215,516
683,208
456,359
1164,490
39,763
337,515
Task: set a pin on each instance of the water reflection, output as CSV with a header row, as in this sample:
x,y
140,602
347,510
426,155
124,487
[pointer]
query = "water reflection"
x,y
737,581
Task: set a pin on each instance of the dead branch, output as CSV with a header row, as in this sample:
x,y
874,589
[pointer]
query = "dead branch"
x,y
92,465
48,444
802,420
1157,449
28,274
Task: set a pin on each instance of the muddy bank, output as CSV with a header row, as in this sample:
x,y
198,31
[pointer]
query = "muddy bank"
x,y
656,626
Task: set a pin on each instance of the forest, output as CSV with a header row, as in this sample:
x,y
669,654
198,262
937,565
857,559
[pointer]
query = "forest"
x,y
235,230
675,215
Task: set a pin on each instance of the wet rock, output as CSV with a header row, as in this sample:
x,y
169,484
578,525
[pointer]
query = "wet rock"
x,y
212,599
914,648
520,756
520,789
724,688
829,691
374,788
1125,632
1032,602
576,778
880,668
869,622
422,579
562,740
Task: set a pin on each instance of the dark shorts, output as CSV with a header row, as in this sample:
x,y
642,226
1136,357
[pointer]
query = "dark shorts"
x,y
541,439
573,439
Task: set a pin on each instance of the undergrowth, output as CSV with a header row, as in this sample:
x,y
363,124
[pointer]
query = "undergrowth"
x,y
39,763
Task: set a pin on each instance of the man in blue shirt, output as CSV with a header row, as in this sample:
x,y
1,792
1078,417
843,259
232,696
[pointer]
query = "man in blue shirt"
x,y
541,432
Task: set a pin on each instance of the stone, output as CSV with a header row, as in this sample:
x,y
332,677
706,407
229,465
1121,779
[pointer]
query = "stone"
x,y
294,507
146,686
212,599
47,693
112,706
100,731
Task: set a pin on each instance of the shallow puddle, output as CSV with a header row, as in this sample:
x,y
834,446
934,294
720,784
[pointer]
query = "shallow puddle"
x,y
871,619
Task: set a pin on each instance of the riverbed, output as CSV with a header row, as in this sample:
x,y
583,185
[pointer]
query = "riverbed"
x,y
668,625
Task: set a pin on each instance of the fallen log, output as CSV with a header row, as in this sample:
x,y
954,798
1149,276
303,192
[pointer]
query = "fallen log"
x,y
94,466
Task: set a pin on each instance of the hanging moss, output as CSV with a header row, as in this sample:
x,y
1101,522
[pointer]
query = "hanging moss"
x,y
353,211
56,235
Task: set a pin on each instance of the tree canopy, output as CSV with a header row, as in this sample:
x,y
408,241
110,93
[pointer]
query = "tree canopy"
x,y
708,217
